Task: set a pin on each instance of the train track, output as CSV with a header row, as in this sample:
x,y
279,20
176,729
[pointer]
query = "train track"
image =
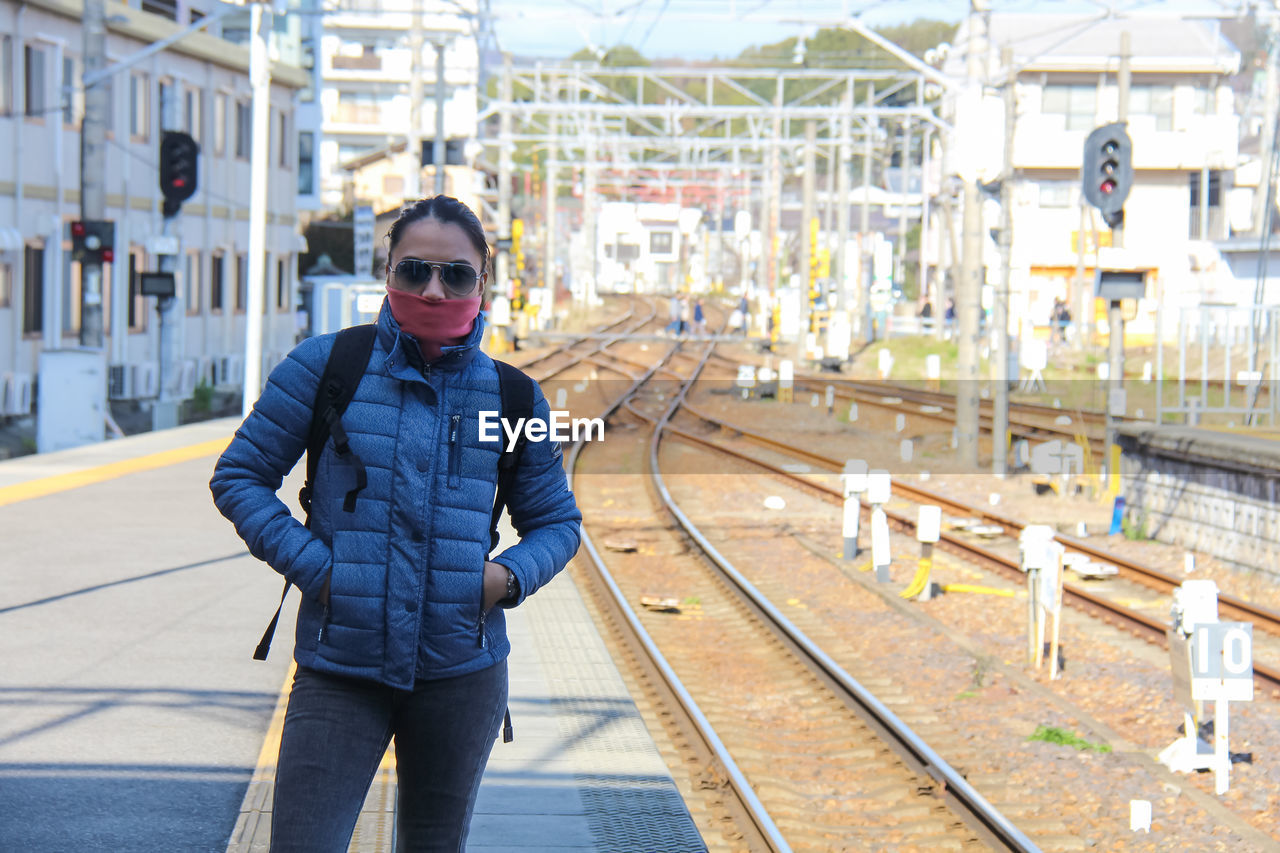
x,y
916,766
1266,676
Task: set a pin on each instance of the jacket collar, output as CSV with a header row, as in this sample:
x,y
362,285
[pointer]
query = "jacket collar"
x,y
403,352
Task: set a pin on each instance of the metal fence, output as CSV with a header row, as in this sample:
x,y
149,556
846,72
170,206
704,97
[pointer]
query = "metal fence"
x,y
1228,362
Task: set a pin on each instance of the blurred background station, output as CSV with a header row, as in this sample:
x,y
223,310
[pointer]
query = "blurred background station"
x,y
844,281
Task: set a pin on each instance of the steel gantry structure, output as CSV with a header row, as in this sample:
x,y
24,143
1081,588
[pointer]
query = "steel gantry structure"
x,y
733,132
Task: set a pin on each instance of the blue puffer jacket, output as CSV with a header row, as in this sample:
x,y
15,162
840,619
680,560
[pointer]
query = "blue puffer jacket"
x,y
406,567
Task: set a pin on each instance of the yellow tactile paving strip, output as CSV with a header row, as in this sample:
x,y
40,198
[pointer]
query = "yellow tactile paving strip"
x,y
375,828
75,479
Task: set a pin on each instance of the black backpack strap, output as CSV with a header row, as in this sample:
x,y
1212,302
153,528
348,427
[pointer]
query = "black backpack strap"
x,y
347,362
342,374
516,389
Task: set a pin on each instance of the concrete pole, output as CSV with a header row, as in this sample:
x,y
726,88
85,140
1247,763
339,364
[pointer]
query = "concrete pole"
x,y
806,249
864,241
589,216
260,79
437,151
549,237
923,259
93,167
842,203
1000,319
904,175
413,187
502,263
1115,318
773,248
969,287
1271,100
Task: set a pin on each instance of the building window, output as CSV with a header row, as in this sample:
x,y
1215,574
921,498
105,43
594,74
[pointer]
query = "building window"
x,y
1056,193
1213,217
137,302
139,106
358,108
1204,100
33,76
660,243
242,281
193,283
282,286
306,162
6,75
163,8
6,285
67,93
284,139
219,124
33,290
1078,103
1153,101
216,279
244,129
193,112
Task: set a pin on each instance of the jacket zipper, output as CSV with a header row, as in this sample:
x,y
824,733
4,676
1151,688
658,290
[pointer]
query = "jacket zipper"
x,y
454,451
481,640
324,623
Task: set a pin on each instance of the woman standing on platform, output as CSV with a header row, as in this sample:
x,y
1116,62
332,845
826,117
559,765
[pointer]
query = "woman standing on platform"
x,y
397,632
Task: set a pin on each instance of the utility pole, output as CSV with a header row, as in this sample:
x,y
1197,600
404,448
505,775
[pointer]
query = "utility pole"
x,y
1000,318
1115,317
1271,102
93,167
260,79
806,247
589,215
413,189
864,240
502,263
969,287
904,177
842,203
437,151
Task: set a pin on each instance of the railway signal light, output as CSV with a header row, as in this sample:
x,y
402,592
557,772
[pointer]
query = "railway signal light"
x,y
179,164
93,240
1108,170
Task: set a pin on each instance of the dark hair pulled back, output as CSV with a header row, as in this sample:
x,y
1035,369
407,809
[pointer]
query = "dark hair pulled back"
x,y
445,209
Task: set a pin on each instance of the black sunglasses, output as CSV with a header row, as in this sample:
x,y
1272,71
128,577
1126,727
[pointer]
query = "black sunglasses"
x,y
458,278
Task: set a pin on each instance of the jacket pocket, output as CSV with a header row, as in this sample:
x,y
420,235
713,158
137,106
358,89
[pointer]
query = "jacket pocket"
x,y
455,451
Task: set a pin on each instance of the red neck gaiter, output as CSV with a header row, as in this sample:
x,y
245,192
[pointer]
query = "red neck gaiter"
x,y
434,324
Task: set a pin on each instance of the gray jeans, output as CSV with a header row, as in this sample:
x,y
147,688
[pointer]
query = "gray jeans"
x,y
335,733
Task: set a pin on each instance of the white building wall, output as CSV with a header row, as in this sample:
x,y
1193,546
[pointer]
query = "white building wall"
x,y
40,191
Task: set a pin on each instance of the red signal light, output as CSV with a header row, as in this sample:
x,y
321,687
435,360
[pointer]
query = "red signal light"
x,y
77,229
1107,187
108,256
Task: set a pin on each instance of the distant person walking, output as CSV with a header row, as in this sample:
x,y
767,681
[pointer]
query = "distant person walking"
x,y
699,318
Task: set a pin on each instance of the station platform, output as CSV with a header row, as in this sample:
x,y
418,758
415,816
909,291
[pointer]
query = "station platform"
x,y
154,749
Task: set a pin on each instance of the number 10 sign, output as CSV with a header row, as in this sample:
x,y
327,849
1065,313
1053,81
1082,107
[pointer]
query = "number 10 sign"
x,y
1222,661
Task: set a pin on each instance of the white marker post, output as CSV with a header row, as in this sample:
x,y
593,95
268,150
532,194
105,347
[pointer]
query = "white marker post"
x,y
854,482
1210,660
1051,599
786,376
885,363
1031,552
879,487
928,531
831,399
933,371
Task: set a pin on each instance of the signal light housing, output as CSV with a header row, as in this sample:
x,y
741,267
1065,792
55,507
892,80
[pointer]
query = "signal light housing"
x,y
93,241
1108,171
179,166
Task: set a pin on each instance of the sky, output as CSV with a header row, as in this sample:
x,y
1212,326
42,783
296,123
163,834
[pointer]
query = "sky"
x,y
708,29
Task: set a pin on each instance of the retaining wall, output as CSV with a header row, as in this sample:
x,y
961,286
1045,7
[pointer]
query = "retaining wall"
x,y
1208,491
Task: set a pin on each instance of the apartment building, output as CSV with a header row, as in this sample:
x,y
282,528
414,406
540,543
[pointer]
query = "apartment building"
x,y
1184,128
199,85
370,82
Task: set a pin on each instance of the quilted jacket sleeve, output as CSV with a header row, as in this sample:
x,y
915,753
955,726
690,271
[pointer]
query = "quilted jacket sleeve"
x,y
543,512
265,448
